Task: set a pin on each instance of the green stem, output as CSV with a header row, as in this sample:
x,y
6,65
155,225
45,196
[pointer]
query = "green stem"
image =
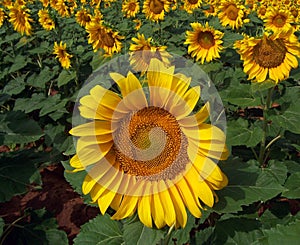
x,y
169,235
262,150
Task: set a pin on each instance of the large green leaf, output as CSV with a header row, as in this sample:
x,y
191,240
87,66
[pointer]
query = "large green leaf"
x,y
230,231
100,230
65,77
16,128
240,133
139,234
18,169
248,183
293,186
281,234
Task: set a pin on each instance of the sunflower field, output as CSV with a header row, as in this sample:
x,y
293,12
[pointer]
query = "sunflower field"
x,y
149,122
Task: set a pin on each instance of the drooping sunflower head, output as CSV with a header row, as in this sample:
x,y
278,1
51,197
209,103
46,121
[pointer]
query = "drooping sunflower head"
x,y
83,17
60,50
212,8
147,150
232,13
271,56
143,51
278,20
130,8
204,42
20,18
45,20
155,9
190,5
104,38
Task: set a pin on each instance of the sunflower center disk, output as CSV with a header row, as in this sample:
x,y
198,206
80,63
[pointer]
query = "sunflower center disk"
x,y
156,133
269,53
193,1
232,12
206,39
279,21
131,6
108,40
156,6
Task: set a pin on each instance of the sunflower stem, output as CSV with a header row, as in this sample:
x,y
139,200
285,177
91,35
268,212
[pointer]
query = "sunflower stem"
x,y
168,236
263,148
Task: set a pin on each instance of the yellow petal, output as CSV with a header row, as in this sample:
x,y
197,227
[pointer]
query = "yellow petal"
x,y
92,128
170,216
105,200
128,205
144,210
188,198
157,209
196,119
181,215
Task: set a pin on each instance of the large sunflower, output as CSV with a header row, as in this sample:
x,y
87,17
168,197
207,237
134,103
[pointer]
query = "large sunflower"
x,y
232,13
149,153
190,5
60,50
204,42
271,56
103,37
20,19
130,8
45,20
155,9
278,20
143,51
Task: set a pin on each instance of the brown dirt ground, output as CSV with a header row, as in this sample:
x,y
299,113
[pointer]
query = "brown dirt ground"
x,y
58,197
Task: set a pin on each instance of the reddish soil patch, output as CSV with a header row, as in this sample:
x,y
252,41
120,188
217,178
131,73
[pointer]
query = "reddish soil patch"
x,y
58,197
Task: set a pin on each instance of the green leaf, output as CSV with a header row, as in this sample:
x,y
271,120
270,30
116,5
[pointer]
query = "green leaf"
x,y
271,219
65,77
100,230
139,234
42,230
255,87
16,172
289,119
276,170
14,132
282,234
182,235
231,231
20,61
29,104
248,183
15,86
293,186
239,133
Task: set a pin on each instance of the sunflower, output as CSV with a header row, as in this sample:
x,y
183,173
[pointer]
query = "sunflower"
x,y
45,20
20,19
45,3
262,11
149,155
138,24
103,37
204,42
232,13
212,8
278,20
271,56
2,16
143,51
62,55
83,17
130,8
155,9
97,17
190,5
7,3
62,8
